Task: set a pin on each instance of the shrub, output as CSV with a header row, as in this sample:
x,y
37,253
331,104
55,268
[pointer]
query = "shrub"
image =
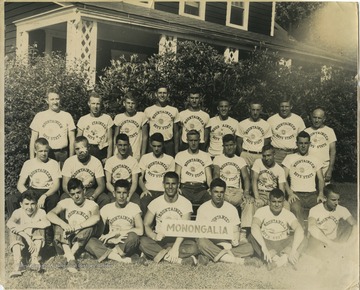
x,y
25,90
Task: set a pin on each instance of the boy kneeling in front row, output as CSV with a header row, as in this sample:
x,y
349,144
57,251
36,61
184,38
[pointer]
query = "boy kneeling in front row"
x,y
125,228
81,216
27,226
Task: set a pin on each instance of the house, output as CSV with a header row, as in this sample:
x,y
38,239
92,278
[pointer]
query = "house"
x,y
96,32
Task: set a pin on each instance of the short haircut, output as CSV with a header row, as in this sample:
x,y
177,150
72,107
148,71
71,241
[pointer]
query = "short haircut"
x,y
94,94
217,182
224,100
158,137
122,137
194,91
123,183
171,174
256,101
267,147
41,141
319,108
329,188
277,193
74,183
192,132
285,99
79,139
228,137
303,134
162,86
29,194
50,90
130,95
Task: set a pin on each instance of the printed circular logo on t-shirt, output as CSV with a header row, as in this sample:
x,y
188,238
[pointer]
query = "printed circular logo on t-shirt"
x,y
52,129
86,176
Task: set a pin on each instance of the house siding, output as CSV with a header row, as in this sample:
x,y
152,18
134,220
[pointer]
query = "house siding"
x,y
260,17
15,11
215,12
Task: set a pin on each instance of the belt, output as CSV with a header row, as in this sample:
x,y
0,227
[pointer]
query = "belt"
x,y
252,152
194,183
58,150
285,149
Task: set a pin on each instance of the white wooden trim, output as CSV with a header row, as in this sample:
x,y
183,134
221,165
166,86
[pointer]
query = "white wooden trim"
x,y
201,9
246,16
22,44
273,13
93,49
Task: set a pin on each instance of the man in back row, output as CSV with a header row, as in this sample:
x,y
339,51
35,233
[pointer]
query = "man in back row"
x,y
285,127
56,126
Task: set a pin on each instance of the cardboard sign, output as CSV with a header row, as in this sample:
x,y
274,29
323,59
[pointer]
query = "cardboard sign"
x,y
193,229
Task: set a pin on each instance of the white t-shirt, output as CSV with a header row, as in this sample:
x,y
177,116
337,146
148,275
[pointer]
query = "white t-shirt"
x,y
302,171
269,178
328,221
76,214
285,131
193,165
120,219
228,214
230,169
218,129
253,134
20,217
87,173
95,129
155,169
42,174
193,120
320,142
162,119
132,127
274,227
173,211
121,168
54,127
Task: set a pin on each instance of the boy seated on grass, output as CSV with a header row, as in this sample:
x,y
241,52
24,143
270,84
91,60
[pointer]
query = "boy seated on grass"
x,y
126,226
26,226
81,216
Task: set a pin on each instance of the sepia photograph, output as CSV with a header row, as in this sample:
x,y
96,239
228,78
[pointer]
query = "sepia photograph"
x,y
165,144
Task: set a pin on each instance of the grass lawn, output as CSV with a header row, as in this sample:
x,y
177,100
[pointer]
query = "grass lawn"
x,y
310,273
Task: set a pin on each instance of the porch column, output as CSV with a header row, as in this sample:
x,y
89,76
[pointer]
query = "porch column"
x,y
231,55
22,44
167,43
81,46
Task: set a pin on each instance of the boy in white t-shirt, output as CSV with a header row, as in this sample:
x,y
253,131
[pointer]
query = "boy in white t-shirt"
x,y
217,210
153,167
329,237
253,133
125,227
164,119
285,127
219,126
42,175
133,124
81,215
270,233
194,169
323,142
56,126
26,226
303,171
193,118
123,166
97,128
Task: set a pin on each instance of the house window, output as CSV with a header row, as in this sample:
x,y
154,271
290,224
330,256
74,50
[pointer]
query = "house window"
x,y
237,14
195,9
